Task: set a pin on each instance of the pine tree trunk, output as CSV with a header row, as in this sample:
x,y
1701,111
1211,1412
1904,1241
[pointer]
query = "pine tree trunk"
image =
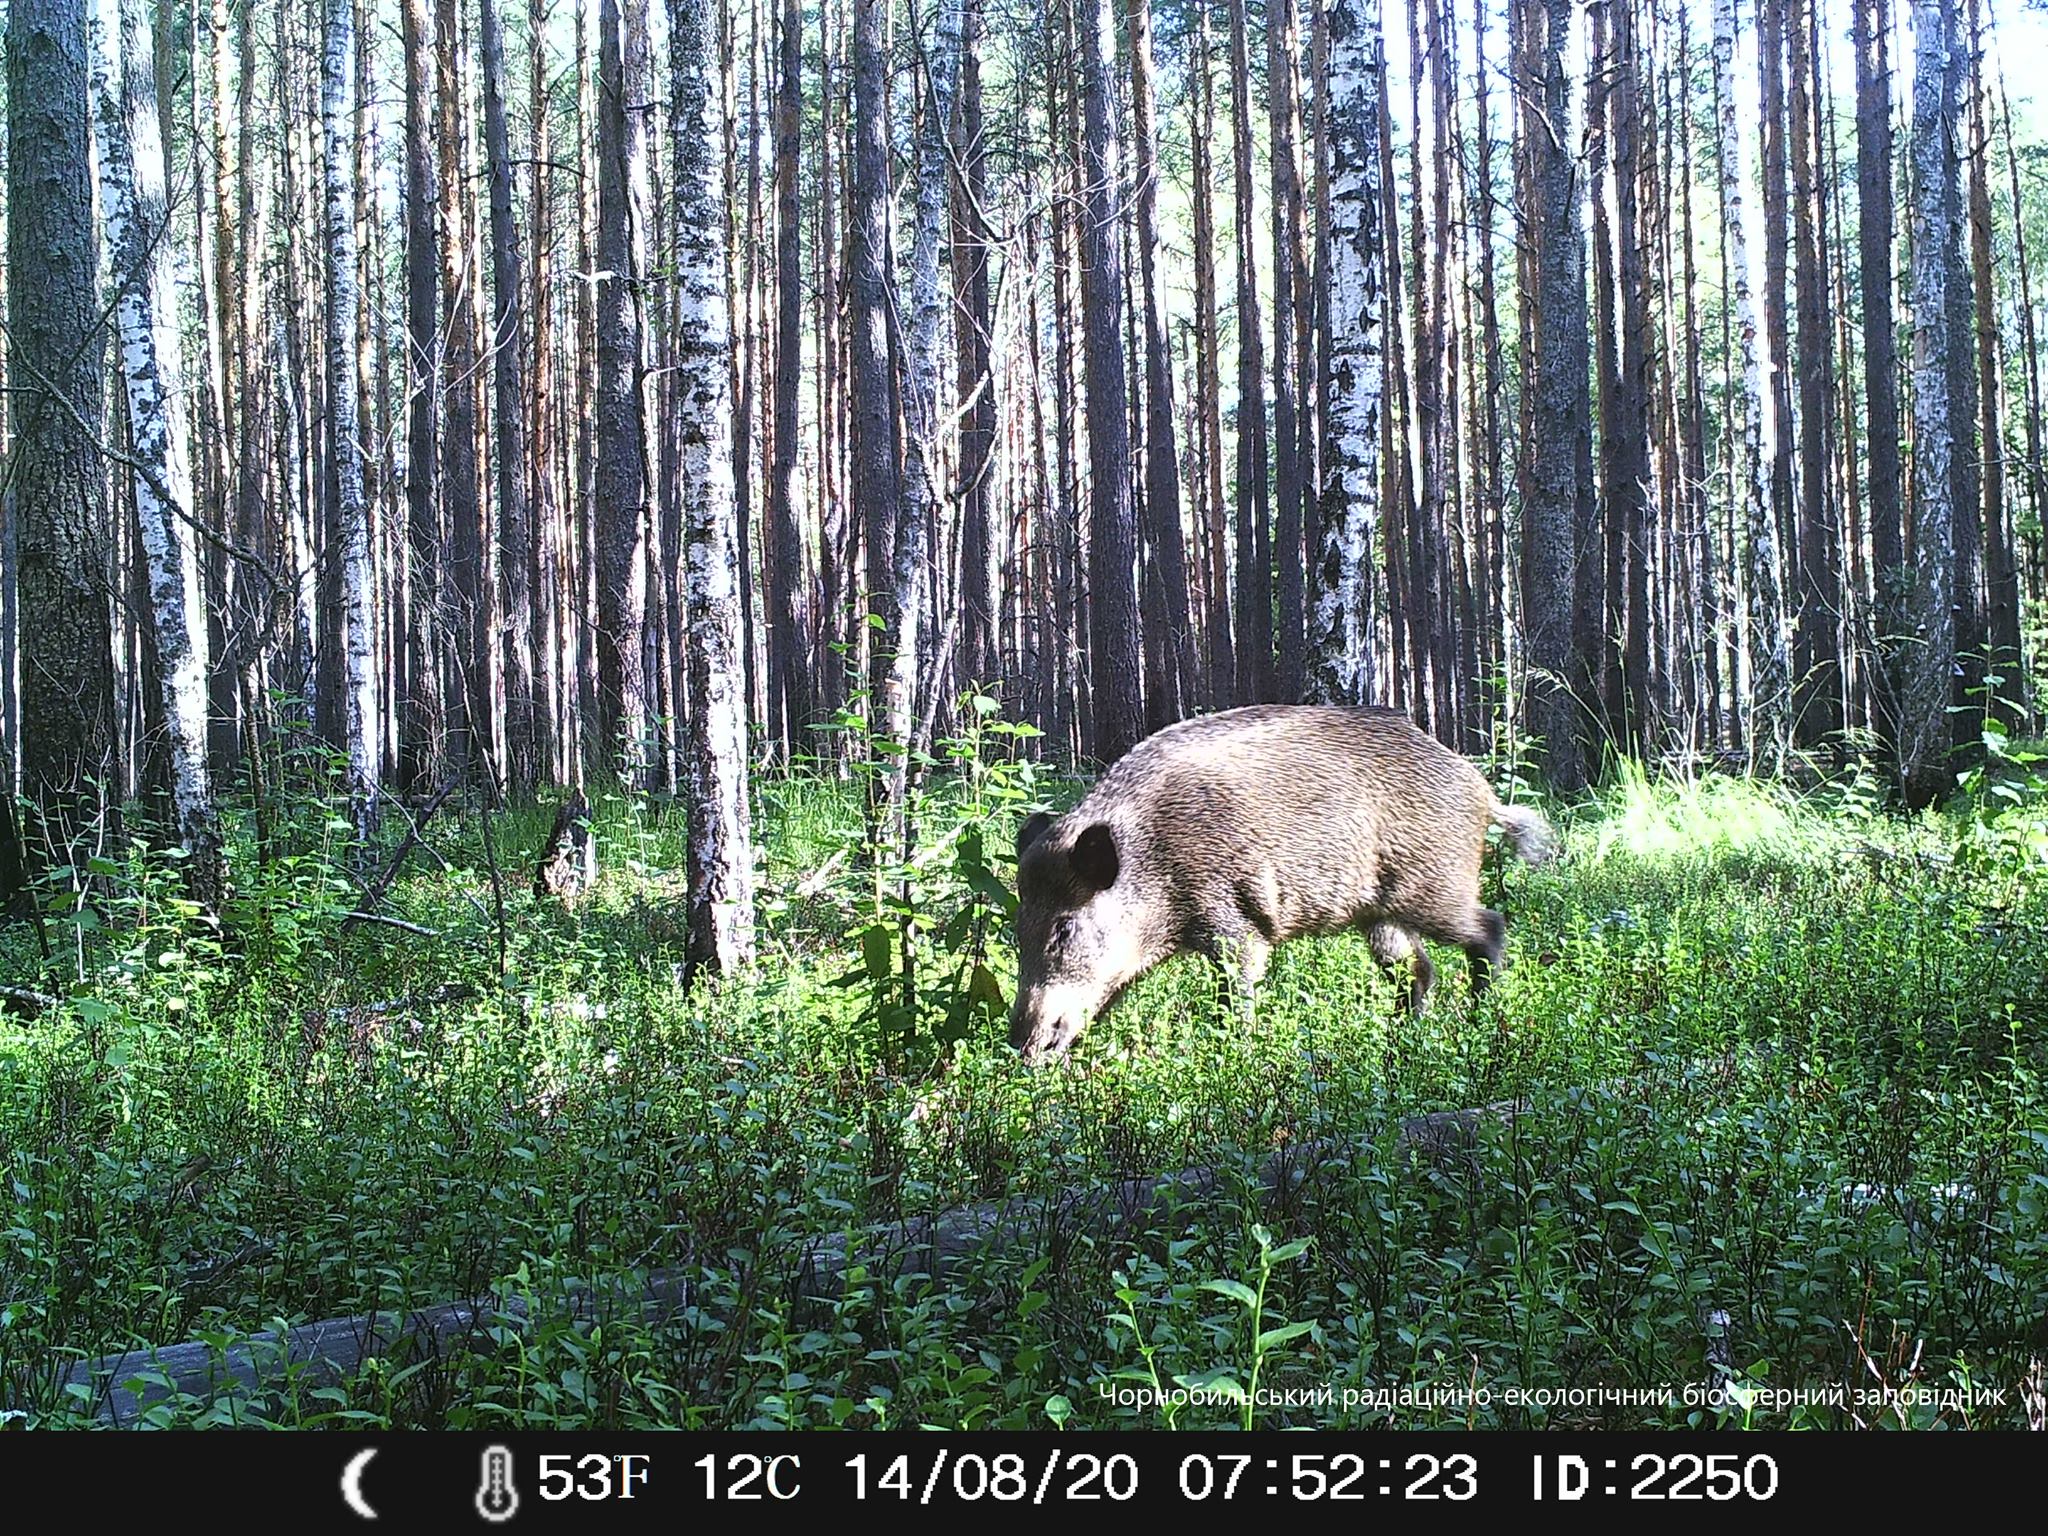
x,y
509,424
420,727
1113,626
2001,571
721,919
619,484
135,208
1283,42
789,694
981,662
1872,20
1629,477
1779,437
1255,675
57,480
1558,435
1817,706
1162,460
1208,372
1340,646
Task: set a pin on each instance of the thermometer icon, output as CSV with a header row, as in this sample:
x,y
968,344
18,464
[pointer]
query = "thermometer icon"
x,y
496,1499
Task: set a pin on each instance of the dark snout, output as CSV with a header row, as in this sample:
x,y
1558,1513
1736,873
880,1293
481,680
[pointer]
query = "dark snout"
x,y
1039,1034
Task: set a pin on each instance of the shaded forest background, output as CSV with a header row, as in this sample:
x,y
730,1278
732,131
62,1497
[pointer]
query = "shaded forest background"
x,y
516,393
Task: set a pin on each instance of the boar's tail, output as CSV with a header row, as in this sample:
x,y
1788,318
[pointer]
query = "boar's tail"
x,y
1527,832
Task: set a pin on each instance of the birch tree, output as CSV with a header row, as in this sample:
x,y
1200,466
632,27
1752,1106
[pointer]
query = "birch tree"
x,y
351,513
1928,657
721,857
1765,652
1340,646
921,392
135,209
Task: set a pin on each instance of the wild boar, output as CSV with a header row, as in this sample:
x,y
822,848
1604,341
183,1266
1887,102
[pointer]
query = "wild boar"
x,y
1232,833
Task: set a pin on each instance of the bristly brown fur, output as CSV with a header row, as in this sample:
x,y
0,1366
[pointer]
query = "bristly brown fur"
x,y
1232,833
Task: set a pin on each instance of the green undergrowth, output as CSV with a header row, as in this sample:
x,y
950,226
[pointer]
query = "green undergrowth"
x,y
1776,1062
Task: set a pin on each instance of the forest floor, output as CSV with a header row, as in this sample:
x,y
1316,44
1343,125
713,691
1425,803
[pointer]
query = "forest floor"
x,y
1783,1123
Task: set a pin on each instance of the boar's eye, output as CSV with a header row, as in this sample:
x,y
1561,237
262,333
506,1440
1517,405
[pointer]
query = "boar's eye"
x,y
1095,860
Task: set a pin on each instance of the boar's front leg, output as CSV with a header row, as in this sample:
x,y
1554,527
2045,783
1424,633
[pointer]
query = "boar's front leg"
x,y
1391,944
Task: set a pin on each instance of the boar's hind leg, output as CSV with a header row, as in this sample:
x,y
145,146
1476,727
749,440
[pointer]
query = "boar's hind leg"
x,y
1391,944
1479,934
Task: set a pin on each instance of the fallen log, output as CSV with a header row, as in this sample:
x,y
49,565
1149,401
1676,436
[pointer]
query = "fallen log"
x,y
122,1387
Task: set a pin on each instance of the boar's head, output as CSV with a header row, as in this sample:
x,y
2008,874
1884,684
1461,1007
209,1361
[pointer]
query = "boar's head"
x,y
1076,948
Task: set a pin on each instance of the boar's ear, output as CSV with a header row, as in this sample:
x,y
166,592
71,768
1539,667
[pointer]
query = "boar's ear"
x,y
1032,830
1095,858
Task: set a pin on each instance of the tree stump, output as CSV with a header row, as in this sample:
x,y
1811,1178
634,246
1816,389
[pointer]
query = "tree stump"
x,y
568,863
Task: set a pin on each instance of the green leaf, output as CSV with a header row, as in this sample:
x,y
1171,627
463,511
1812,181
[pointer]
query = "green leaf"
x,y
874,951
1273,1338
1236,1290
1288,1251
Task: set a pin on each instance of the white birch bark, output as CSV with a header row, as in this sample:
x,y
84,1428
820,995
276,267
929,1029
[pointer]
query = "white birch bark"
x,y
921,392
362,729
1766,645
1340,659
721,877
134,208
1927,661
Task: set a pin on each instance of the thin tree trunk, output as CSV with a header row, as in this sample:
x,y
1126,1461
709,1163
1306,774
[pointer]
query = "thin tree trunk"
x,y
721,917
789,698
1872,21
1254,568
351,513
1817,708
1283,43
2001,571
419,729
135,207
921,470
1340,648
1208,372
1162,460
1113,630
877,486
1928,661
981,661
515,523
1557,441
619,485
1766,651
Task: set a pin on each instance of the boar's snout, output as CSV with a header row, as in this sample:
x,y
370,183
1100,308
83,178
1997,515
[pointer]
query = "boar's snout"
x,y
1041,1035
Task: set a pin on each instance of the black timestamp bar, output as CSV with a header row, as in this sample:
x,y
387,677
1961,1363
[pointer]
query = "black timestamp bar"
x,y
632,1480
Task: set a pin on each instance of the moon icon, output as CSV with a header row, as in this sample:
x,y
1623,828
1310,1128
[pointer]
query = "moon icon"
x,y
352,1484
